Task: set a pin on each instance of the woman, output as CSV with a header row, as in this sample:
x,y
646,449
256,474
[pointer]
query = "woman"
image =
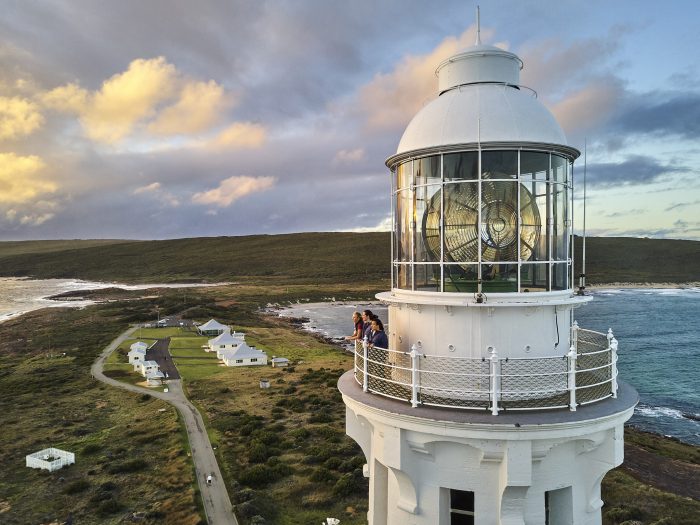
x,y
359,328
379,338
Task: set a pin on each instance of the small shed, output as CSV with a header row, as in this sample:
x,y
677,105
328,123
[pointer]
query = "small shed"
x,y
155,378
50,459
264,383
279,362
212,327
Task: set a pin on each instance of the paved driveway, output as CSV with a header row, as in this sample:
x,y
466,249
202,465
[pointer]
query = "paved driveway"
x,y
217,504
159,353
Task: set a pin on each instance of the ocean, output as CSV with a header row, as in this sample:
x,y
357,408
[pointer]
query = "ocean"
x,y
18,295
659,352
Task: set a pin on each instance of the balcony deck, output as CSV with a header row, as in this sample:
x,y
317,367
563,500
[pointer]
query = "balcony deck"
x,y
586,374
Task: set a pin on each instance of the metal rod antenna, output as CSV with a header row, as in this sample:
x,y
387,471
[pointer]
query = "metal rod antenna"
x,y
478,27
582,277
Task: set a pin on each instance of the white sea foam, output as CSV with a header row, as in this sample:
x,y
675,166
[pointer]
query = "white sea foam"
x,y
654,411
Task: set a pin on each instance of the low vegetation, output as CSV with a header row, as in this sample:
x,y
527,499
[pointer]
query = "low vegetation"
x,y
308,258
130,453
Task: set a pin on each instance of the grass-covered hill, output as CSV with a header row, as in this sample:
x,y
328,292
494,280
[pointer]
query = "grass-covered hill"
x,y
308,258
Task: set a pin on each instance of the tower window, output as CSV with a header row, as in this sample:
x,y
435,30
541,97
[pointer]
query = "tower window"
x,y
461,507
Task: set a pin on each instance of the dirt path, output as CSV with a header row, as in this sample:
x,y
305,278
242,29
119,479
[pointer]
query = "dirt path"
x,y
670,475
217,504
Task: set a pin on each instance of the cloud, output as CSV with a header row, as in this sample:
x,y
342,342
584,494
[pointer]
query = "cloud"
x,y
147,189
590,107
345,156
662,113
390,100
127,98
22,179
18,117
69,98
679,205
199,107
636,169
240,135
232,189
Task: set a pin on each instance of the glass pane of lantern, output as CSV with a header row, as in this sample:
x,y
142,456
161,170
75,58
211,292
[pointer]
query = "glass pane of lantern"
x,y
427,277
499,277
559,226
559,169
460,277
427,170
533,277
404,215
461,166
461,214
533,165
404,175
403,276
499,164
559,273
499,220
427,234
533,216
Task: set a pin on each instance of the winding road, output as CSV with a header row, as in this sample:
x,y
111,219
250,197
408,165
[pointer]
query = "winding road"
x,y
217,504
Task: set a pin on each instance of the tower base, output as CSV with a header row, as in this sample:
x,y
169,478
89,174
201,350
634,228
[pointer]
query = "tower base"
x,y
432,466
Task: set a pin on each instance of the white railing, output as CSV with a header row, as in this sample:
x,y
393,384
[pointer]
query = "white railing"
x,y
586,374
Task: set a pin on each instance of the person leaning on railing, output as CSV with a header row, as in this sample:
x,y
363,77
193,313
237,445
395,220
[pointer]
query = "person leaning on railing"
x,y
358,333
379,337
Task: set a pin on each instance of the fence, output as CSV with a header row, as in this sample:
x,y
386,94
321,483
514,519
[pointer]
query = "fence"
x,y
586,374
50,459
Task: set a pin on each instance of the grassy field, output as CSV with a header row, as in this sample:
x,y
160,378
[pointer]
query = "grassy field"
x,y
307,258
130,452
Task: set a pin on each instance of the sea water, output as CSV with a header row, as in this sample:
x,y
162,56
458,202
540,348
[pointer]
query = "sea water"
x,y
19,295
659,352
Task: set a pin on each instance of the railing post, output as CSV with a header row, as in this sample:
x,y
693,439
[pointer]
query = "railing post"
x,y
572,356
612,344
495,380
415,356
365,373
574,335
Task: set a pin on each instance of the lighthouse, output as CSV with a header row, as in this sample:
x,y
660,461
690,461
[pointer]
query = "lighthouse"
x,y
490,406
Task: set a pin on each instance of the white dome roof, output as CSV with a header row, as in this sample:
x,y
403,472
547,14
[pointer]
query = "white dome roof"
x,y
481,113
480,101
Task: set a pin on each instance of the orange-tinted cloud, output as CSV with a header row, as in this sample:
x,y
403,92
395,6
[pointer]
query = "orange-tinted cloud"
x,y
22,179
233,189
198,108
240,135
18,117
391,99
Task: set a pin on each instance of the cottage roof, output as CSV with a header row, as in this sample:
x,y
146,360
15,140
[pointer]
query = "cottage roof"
x,y
155,373
149,363
139,346
211,325
228,338
244,352
280,360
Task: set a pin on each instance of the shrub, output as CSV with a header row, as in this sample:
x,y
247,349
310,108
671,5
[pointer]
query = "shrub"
x,y
624,513
258,476
91,448
332,463
258,452
350,483
77,486
133,465
322,474
108,507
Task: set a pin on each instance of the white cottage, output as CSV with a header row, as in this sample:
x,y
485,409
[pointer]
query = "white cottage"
x,y
137,354
244,355
225,341
212,327
148,368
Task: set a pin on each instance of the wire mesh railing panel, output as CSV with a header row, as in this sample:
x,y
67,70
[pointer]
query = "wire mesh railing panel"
x,y
534,383
518,384
590,341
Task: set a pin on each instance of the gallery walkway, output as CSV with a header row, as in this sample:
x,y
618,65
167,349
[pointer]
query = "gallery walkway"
x,y
217,504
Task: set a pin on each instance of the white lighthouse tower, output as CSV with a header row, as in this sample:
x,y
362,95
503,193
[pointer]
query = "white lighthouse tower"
x,y
491,406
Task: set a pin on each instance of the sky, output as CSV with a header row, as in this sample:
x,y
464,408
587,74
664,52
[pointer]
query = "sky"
x,y
173,118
